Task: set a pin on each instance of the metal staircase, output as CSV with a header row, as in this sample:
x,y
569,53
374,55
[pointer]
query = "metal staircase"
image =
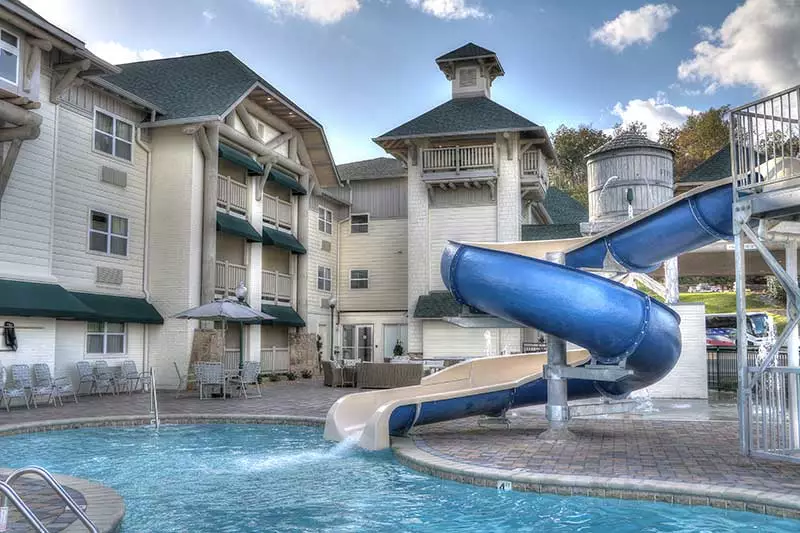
x,y
765,165
9,494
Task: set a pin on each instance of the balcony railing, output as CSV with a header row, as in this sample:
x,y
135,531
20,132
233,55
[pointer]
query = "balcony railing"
x,y
274,360
458,158
276,287
230,358
277,212
231,195
228,276
530,163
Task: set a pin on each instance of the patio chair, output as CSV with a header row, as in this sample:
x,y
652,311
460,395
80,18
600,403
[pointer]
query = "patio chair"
x,y
104,377
130,377
86,375
60,386
183,380
210,374
248,376
9,391
21,376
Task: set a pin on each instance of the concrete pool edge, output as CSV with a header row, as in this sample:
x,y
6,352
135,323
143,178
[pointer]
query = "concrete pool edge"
x,y
777,504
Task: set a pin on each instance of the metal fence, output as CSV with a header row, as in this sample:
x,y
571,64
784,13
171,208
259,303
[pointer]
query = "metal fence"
x,y
723,370
774,431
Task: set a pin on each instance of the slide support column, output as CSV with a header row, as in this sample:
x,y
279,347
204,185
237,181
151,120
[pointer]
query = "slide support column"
x,y
557,409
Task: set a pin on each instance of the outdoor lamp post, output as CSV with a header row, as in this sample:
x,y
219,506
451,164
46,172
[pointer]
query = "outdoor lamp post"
x,y
241,295
332,305
629,197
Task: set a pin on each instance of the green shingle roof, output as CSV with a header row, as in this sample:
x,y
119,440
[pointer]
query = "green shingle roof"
x,y
436,305
549,232
462,115
626,140
467,51
716,167
380,167
563,208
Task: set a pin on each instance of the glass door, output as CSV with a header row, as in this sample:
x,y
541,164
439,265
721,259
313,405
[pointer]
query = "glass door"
x,y
392,335
365,346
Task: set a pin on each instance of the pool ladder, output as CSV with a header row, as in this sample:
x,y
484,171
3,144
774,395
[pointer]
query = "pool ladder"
x,y
154,418
8,493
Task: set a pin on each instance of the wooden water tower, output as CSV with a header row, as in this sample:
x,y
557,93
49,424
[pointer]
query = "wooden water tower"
x,y
628,175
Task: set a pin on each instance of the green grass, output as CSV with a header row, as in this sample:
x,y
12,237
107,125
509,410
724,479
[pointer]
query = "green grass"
x,y
725,302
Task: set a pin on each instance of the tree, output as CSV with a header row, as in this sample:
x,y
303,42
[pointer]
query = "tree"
x,y
700,137
572,145
637,127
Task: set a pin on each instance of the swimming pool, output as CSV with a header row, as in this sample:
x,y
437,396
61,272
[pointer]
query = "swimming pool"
x,y
263,478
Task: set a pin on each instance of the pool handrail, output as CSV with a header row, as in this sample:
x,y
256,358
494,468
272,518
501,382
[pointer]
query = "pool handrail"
x,y
57,488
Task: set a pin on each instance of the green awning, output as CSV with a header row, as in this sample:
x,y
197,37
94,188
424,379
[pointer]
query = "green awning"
x,y
284,316
282,239
23,298
285,180
234,225
110,308
240,158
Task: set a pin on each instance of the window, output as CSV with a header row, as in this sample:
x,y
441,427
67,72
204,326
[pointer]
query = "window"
x,y
359,279
108,234
359,223
113,136
467,77
325,223
105,338
324,279
9,57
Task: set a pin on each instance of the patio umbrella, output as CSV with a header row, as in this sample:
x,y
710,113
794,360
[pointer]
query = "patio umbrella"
x,y
226,310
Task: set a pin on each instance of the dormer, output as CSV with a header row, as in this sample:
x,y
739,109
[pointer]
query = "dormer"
x,y
471,70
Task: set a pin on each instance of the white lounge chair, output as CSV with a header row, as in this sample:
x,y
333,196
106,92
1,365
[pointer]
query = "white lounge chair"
x,y
247,377
86,375
9,391
104,377
210,374
60,386
131,378
183,380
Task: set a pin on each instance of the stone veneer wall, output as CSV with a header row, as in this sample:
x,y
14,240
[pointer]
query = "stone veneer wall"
x,y
303,352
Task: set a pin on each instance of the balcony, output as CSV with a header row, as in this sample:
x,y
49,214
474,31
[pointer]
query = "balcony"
x,y
231,195
277,212
228,276
458,159
533,178
274,360
276,288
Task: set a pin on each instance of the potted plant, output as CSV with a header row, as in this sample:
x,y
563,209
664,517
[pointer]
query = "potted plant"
x,y
306,373
398,349
291,375
319,352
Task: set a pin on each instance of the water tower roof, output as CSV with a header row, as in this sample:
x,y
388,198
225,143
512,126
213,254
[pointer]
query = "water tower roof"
x,y
627,140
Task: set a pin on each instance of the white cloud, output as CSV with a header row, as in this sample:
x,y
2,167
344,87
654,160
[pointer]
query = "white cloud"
x,y
448,9
757,45
320,11
631,27
707,32
209,15
653,112
117,53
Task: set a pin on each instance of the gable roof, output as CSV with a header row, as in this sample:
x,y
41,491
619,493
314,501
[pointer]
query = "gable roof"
x,y
461,116
204,87
716,167
549,232
627,140
380,167
563,208
468,51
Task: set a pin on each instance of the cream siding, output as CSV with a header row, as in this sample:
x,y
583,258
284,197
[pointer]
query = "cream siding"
x,y
383,252
230,248
445,340
458,224
78,192
277,336
26,206
275,259
85,98
381,198
318,257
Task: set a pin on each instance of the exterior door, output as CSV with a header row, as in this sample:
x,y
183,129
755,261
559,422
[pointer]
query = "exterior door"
x,y
322,331
365,345
392,333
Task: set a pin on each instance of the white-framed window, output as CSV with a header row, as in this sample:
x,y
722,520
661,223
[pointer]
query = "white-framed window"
x,y
325,223
112,135
105,338
359,223
324,279
108,234
359,279
9,57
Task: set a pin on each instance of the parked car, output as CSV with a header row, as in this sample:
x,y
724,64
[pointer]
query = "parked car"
x,y
721,329
705,287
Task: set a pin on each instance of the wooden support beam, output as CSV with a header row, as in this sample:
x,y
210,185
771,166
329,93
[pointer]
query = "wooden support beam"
x,y
23,133
491,185
8,165
81,65
443,186
259,148
70,78
262,181
248,122
31,66
279,140
265,116
467,184
451,185
18,116
507,137
208,138
41,44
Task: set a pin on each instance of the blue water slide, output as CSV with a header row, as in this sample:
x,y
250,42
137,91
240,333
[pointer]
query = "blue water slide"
x,y
616,324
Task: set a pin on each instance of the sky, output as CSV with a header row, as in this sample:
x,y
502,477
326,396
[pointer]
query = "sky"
x,y
362,67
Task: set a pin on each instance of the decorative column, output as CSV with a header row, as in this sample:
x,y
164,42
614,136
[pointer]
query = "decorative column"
x,y
509,214
302,259
418,247
209,142
254,267
671,280
792,347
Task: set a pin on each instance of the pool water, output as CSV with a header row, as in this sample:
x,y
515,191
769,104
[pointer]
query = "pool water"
x,y
261,478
